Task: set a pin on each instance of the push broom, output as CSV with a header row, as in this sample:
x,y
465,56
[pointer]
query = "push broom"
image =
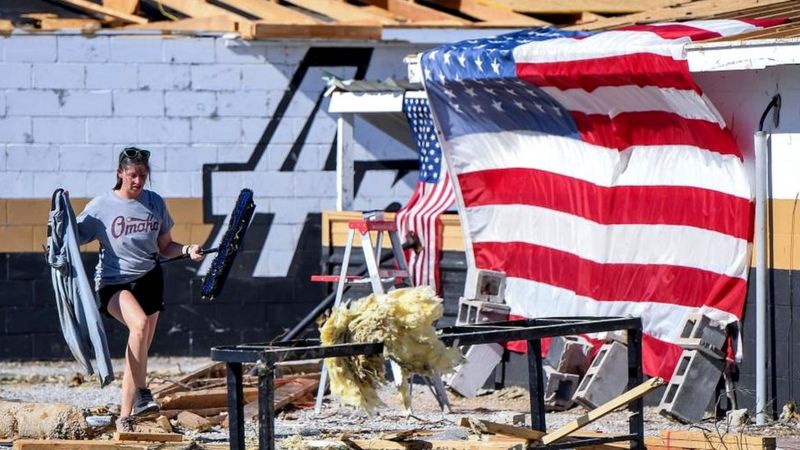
x,y
228,247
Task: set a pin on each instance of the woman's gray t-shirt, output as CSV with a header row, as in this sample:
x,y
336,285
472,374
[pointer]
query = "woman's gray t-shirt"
x,y
128,232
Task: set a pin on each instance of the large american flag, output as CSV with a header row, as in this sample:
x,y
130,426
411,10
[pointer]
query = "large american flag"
x,y
595,173
432,196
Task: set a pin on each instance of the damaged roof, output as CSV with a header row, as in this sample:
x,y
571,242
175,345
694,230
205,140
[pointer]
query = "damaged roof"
x,y
376,19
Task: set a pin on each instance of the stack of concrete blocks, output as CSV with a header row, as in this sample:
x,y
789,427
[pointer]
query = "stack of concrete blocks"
x,y
693,384
483,302
567,360
607,377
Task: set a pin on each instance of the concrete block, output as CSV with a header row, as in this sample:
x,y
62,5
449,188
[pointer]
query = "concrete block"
x,y
183,159
44,183
192,50
59,76
244,104
691,389
558,389
98,182
40,158
20,184
699,332
472,311
136,49
15,129
164,76
83,49
267,77
114,130
32,103
15,75
489,286
606,378
2,104
291,210
271,184
569,354
138,103
174,184
164,130
314,184
216,77
59,130
87,158
235,153
111,76
218,130
287,54
190,103
85,103
241,52
323,129
30,49
479,363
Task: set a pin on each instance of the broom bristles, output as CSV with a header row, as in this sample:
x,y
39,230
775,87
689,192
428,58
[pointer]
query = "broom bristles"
x,y
229,246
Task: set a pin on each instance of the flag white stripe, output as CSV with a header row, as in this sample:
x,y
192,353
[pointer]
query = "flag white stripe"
x,y
613,100
673,245
601,45
725,27
673,165
661,320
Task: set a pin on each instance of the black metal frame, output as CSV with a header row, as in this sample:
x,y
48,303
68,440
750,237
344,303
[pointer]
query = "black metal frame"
x,y
266,355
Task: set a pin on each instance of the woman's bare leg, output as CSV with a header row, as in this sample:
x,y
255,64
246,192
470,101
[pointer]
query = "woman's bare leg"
x,y
124,307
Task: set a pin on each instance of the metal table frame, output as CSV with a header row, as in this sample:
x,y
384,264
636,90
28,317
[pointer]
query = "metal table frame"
x,y
266,355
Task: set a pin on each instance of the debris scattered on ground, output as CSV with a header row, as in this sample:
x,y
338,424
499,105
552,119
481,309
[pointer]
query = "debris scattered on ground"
x,y
41,421
403,320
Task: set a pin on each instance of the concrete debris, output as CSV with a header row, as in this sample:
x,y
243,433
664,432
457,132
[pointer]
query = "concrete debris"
x,y
403,320
41,421
737,417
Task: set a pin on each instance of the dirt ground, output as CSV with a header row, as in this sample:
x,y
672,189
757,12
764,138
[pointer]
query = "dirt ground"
x,y
64,382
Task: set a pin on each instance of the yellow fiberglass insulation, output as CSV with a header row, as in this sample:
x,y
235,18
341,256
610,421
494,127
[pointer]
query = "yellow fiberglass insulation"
x,y
403,320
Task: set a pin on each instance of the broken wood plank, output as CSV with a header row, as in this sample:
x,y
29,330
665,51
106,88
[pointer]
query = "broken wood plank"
x,y
270,12
148,437
729,438
603,410
52,444
377,444
340,11
99,9
123,6
284,395
202,412
165,424
191,421
504,429
211,398
264,30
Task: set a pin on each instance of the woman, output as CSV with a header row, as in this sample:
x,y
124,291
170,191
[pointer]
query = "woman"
x,y
133,227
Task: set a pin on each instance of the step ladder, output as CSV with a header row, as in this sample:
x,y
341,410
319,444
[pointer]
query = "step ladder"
x,y
376,277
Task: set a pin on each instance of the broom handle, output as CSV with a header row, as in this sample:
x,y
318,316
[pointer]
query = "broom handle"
x,y
179,257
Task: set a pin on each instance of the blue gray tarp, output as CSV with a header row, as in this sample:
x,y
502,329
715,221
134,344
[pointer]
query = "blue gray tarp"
x,y
77,310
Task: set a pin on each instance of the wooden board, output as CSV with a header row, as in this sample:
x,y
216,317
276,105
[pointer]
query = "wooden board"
x,y
123,6
148,437
504,429
340,11
210,398
603,410
6,26
61,23
191,421
199,8
270,12
578,6
99,9
284,395
414,12
491,13
47,444
217,23
710,441
215,369
266,30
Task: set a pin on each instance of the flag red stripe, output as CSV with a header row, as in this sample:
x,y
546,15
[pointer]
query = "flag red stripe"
x,y
767,22
654,128
655,283
623,70
668,205
675,31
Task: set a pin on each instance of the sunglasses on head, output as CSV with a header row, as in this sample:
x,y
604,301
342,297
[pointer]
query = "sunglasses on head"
x,y
134,153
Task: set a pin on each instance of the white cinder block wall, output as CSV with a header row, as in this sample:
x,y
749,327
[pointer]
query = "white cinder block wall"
x,y
69,103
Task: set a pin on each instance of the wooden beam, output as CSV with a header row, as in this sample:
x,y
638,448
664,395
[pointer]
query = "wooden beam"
x,y
603,410
48,444
6,26
504,429
123,6
340,11
718,441
203,399
99,9
199,8
495,13
217,23
579,6
267,30
62,23
414,12
148,437
272,12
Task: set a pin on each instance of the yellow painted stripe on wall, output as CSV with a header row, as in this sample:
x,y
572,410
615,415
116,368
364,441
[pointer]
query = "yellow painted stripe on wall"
x,y
23,223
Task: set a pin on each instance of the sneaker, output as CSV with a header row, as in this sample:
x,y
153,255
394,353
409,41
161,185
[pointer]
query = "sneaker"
x,y
126,424
143,402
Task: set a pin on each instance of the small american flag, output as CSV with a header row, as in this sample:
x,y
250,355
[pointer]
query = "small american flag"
x,y
595,173
432,196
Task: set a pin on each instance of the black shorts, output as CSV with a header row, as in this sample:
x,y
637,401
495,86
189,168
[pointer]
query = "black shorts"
x,y
147,289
